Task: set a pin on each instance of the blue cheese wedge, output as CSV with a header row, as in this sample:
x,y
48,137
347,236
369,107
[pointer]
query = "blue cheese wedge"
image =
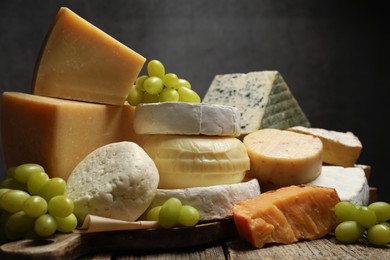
x,y
350,183
263,98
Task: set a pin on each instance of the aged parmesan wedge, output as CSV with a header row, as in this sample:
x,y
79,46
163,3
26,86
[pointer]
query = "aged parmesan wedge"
x,y
213,202
58,133
287,215
280,157
263,98
186,119
350,183
339,148
80,62
185,161
118,181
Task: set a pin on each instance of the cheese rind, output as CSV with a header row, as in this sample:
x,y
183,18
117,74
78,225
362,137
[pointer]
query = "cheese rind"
x,y
186,119
263,98
185,161
213,202
281,157
339,148
58,133
350,183
78,61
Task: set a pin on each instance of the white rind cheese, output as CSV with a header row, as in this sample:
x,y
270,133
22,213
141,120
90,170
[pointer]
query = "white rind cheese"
x,y
213,202
339,148
350,183
263,98
187,119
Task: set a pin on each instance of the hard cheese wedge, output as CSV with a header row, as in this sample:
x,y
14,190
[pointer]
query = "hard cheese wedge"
x,y
80,62
263,98
339,148
187,119
287,215
185,161
57,133
281,157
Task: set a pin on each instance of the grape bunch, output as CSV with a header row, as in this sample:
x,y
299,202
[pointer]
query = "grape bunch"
x,y
34,205
173,213
363,221
159,86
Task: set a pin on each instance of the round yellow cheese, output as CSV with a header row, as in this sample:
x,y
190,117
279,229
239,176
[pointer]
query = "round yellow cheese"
x,y
185,161
281,157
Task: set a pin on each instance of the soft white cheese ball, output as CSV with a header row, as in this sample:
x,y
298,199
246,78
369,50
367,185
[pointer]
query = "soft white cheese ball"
x,y
118,180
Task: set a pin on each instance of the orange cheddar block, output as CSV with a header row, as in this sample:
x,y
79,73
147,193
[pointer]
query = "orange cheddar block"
x,y
287,215
78,61
58,133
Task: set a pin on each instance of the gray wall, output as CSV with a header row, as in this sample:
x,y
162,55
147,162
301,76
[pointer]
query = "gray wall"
x,y
334,55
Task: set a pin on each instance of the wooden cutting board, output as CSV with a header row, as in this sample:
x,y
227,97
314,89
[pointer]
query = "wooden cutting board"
x,y
71,246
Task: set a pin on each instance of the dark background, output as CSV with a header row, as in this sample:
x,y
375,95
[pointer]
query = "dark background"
x,y
334,55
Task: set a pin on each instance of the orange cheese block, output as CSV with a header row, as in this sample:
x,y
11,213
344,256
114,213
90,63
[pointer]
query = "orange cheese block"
x,y
58,133
287,215
80,62
281,157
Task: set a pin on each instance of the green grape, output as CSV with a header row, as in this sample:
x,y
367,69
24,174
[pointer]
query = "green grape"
x,y
13,200
188,95
23,171
11,172
19,222
36,182
35,206
148,98
169,95
378,235
188,216
11,183
170,80
53,187
153,85
156,69
135,96
66,224
365,216
349,232
183,83
139,83
345,210
169,213
153,214
381,209
60,206
45,225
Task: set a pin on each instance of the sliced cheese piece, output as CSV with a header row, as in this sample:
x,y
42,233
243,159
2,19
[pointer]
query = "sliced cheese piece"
x,y
281,157
58,133
213,202
186,119
185,161
263,98
350,183
80,62
287,215
117,180
339,148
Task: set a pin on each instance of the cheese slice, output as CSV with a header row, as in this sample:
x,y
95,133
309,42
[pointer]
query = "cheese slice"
x,y
213,202
263,98
339,148
58,133
281,158
80,62
350,183
186,119
185,161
